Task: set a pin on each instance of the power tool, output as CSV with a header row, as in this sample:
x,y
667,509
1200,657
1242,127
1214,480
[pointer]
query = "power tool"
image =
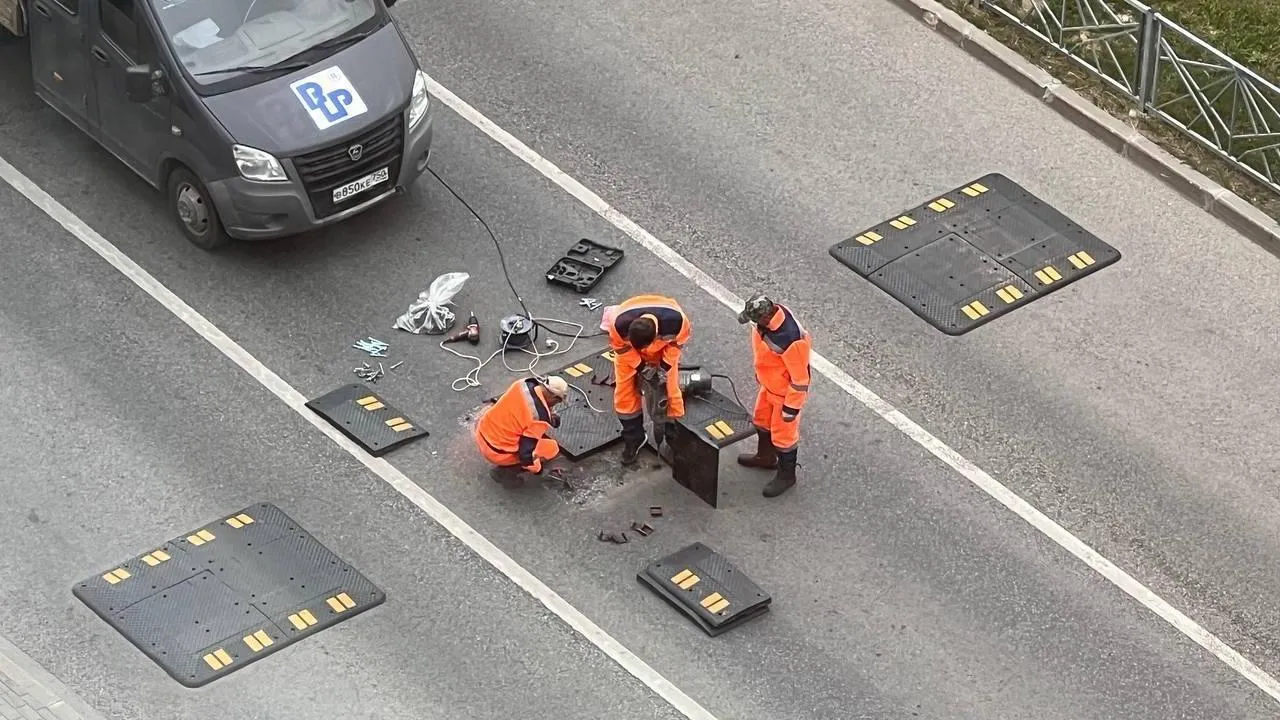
x,y
471,333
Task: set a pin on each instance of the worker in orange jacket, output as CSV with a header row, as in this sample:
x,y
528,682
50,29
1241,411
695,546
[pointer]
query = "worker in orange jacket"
x,y
511,434
647,335
780,347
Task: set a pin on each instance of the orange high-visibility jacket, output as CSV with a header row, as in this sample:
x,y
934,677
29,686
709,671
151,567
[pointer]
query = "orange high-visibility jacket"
x,y
781,355
518,420
674,330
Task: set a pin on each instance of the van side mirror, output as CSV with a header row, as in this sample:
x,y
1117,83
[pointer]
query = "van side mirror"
x,y
139,83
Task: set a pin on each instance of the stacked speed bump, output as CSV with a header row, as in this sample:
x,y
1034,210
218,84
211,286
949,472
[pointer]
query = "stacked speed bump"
x,y
229,593
707,588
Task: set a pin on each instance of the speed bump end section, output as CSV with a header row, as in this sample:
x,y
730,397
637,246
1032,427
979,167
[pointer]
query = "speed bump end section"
x,y
367,418
203,608
706,587
974,254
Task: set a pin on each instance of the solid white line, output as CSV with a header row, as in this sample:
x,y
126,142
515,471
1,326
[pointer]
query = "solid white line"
x,y
580,623
878,405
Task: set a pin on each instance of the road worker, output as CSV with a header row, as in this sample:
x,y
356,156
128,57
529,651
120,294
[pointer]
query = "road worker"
x,y
647,335
511,434
780,348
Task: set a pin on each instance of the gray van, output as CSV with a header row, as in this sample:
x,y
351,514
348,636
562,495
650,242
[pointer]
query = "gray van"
x,y
257,118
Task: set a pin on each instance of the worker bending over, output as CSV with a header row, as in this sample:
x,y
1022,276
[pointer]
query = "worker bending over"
x,y
780,348
511,434
647,336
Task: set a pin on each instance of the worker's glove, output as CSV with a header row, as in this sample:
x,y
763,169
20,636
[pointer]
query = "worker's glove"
x,y
535,468
789,414
555,420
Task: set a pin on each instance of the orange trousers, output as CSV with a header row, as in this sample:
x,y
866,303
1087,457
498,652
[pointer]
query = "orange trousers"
x,y
546,450
768,416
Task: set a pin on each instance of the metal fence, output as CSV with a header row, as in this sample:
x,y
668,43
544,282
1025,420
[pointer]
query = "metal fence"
x,y
1167,71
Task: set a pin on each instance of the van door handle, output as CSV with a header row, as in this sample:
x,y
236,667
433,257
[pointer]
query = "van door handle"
x,y
42,9
101,55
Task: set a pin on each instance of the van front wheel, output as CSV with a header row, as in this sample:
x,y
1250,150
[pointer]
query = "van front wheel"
x,y
191,206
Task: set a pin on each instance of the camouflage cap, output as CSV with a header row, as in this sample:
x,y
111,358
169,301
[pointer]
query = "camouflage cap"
x,y
756,309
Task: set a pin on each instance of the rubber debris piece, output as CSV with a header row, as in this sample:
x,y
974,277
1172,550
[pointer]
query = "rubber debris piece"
x,y
615,538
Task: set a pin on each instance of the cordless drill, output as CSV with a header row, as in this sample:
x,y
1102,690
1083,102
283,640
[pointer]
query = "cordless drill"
x,y
471,333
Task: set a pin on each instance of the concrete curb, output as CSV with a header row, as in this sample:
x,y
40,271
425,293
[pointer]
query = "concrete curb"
x,y
30,692
1128,141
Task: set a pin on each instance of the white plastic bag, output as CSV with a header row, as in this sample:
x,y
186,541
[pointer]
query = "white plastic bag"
x,y
430,313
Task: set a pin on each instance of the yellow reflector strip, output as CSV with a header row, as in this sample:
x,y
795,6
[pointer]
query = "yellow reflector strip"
x,y
1086,257
724,427
714,432
898,224
1052,272
213,662
905,220
1075,260
968,310
346,600
680,576
367,399
244,519
252,642
572,372
979,187
333,603
864,240
264,639
402,427
718,606
689,582
1042,277
982,309
1014,291
1004,295
583,367
298,624
395,421
970,192
234,523
223,656
711,599
873,236
307,617
374,406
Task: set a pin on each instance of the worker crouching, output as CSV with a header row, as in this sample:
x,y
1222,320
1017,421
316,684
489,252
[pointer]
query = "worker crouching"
x,y
511,434
647,335
780,349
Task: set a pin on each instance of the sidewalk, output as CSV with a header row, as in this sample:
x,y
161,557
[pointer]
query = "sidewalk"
x,y
28,692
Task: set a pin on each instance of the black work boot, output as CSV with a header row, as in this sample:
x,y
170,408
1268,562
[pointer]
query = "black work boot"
x,y
785,477
766,455
508,476
632,440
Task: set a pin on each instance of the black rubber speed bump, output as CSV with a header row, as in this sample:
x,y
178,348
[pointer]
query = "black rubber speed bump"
x,y
712,421
227,594
365,417
973,254
583,431
704,585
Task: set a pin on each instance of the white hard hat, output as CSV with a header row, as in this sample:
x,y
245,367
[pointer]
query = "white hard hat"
x,y
558,386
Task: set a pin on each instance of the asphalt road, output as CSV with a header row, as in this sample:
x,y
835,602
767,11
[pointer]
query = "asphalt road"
x,y
1128,407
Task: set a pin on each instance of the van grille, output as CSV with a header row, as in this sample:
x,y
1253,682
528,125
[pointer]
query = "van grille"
x,y
323,170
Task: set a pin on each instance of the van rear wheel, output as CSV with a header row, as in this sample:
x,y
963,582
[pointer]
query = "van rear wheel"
x,y
191,206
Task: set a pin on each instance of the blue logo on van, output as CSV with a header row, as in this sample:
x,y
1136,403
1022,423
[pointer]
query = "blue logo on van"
x,y
329,97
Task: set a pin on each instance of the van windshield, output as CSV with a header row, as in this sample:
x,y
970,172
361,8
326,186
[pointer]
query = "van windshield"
x,y
218,40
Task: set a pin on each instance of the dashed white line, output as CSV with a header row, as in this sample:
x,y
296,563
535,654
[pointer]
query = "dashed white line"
x,y
939,449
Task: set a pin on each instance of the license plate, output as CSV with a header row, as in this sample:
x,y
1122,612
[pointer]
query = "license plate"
x,y
355,187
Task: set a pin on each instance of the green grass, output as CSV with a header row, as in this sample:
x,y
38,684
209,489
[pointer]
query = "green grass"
x,y
1246,30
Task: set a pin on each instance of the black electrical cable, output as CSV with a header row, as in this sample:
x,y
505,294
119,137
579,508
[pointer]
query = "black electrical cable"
x,y
733,388
502,258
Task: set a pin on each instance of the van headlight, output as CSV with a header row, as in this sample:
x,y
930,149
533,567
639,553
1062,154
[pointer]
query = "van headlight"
x,y
421,100
255,164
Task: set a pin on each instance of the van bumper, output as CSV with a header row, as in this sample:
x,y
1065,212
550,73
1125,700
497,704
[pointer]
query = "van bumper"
x,y
266,211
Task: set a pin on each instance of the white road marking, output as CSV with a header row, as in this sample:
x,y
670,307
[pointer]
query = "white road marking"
x,y
491,554
971,472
